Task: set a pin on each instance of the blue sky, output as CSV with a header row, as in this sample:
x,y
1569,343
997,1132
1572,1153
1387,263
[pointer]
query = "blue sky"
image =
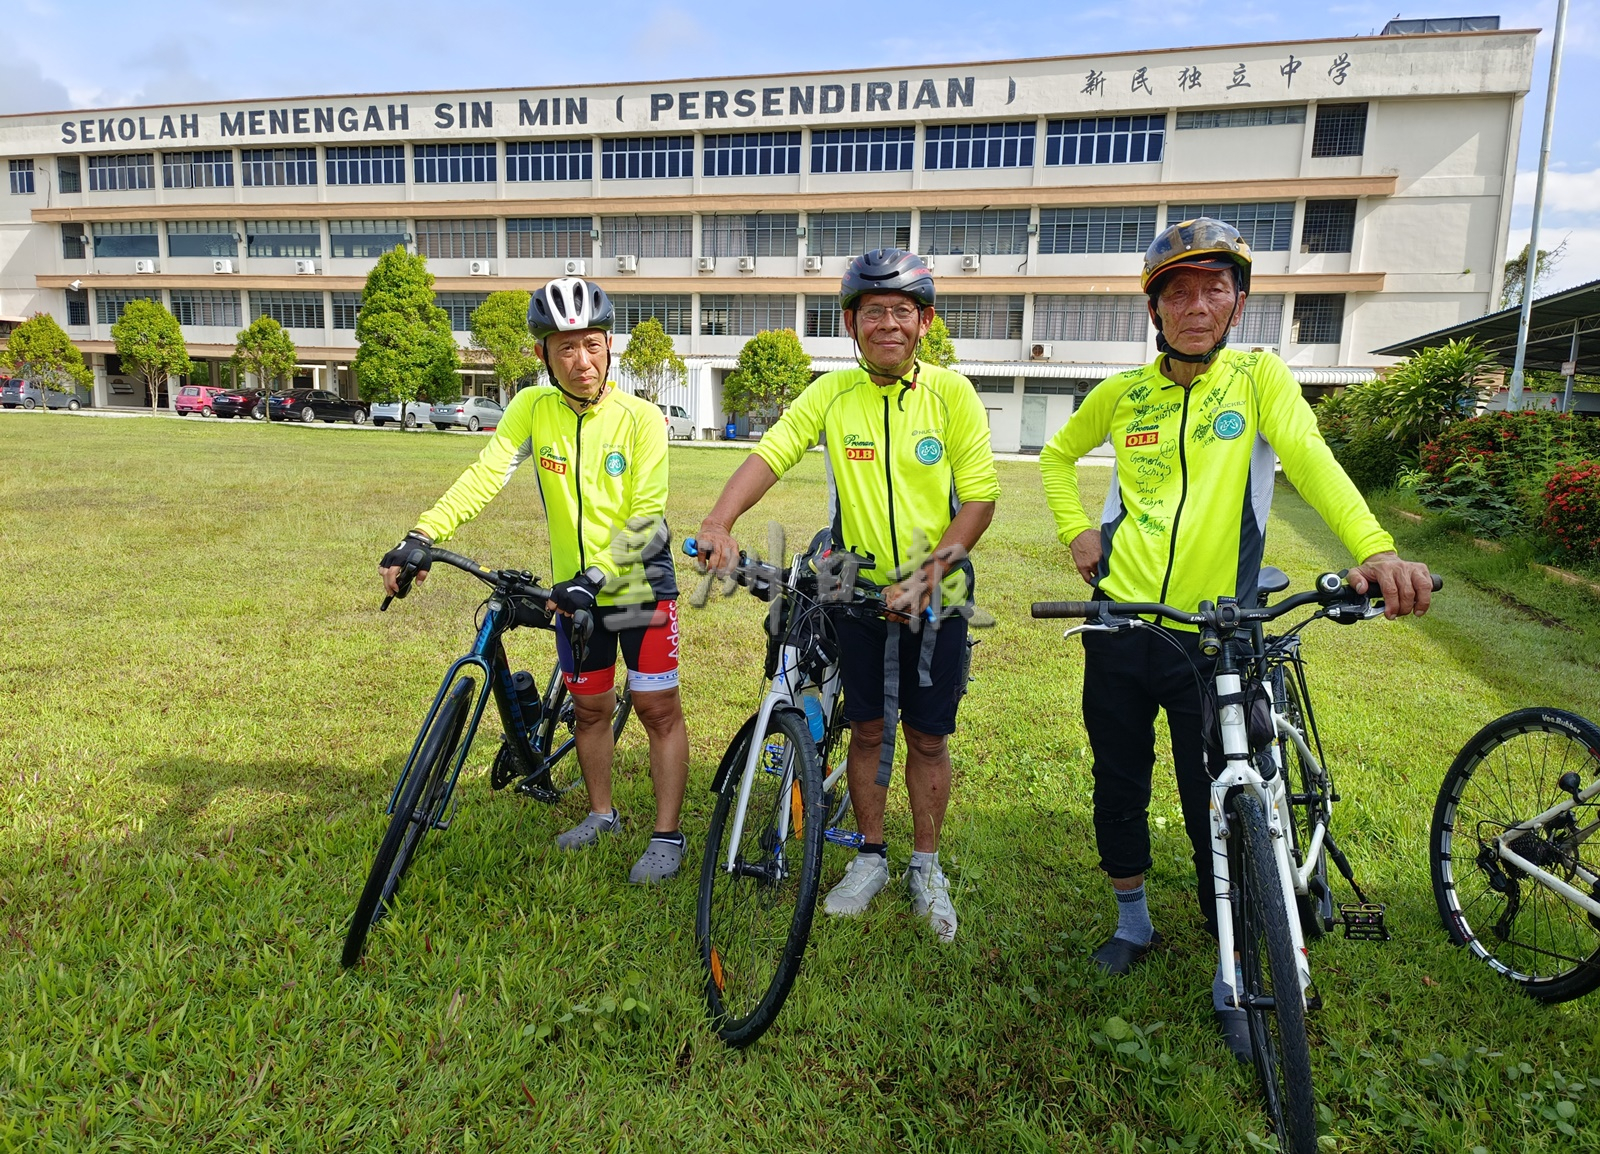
x,y
90,53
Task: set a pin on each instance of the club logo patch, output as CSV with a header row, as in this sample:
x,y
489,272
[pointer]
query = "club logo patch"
x,y
930,450
1228,424
552,461
856,453
1139,440
615,464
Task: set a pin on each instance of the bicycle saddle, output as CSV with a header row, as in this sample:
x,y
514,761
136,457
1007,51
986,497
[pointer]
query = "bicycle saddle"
x,y
1271,579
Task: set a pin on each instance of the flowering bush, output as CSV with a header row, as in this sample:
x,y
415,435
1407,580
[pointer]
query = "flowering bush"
x,y
1572,508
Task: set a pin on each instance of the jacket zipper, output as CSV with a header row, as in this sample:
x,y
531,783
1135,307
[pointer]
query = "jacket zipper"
x,y
577,481
888,480
1183,495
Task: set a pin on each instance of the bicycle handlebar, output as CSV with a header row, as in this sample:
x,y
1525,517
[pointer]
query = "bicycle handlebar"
x,y
1331,589
517,583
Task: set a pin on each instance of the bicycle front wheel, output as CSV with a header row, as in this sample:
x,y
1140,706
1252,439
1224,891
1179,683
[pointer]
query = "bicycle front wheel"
x,y
1274,1006
1308,790
1505,776
758,892
423,795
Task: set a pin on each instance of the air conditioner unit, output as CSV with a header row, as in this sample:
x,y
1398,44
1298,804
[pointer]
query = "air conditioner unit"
x,y
222,266
577,268
480,268
707,264
813,264
305,267
627,262
747,264
144,266
1041,352
972,262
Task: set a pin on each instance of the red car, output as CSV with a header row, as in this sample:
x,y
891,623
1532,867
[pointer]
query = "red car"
x,y
193,399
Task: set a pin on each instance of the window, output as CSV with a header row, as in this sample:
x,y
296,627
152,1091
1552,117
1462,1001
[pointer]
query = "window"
x,y
983,318
109,303
206,307
346,307
1318,319
77,306
1262,323
1041,390
197,169
1341,130
1090,317
289,309
124,238
853,233
974,230
22,178
549,237
1265,227
457,239
675,311
453,163
646,157
751,234
992,385
270,167
745,315
365,239
1007,145
1330,226
1105,140
283,238
862,149
550,160
377,164
647,236
74,244
1242,117
753,154
68,174
204,238
460,307
1085,230
823,316
121,172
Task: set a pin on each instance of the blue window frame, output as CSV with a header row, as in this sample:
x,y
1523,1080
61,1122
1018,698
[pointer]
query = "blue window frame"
x,y
1105,140
862,149
1004,145
454,163
646,157
753,154
550,160
1128,228
376,164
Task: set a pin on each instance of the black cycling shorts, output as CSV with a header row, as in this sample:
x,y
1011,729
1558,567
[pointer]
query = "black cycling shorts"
x,y
929,709
648,637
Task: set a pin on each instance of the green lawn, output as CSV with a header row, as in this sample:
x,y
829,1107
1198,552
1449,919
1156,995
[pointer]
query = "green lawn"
x,y
204,712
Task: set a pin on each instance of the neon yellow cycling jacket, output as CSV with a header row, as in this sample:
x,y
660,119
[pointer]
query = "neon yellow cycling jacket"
x,y
594,473
1185,520
899,459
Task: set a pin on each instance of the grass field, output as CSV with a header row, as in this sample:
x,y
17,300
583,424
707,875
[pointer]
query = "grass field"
x,y
204,712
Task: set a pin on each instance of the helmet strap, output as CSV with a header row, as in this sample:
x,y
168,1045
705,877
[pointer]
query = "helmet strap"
x,y
1194,358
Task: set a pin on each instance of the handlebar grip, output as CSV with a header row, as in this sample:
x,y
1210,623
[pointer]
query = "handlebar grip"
x,y
1438,582
691,547
1067,608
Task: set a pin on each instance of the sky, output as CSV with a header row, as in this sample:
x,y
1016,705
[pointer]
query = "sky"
x,y
92,53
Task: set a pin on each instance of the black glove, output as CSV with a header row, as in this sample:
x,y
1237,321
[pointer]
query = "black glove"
x,y
579,593
414,552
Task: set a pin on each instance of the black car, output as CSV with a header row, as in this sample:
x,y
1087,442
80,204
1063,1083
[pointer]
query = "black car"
x,y
316,405
238,403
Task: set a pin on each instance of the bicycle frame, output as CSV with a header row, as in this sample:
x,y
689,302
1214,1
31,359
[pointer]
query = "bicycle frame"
x,y
1502,847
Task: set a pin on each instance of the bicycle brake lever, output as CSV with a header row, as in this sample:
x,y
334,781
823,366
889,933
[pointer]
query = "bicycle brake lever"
x,y
384,608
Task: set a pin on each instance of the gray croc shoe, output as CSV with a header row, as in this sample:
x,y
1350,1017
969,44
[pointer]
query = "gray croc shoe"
x,y
588,831
659,862
1235,1029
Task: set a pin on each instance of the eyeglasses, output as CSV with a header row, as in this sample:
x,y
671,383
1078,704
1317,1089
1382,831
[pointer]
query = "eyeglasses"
x,y
902,314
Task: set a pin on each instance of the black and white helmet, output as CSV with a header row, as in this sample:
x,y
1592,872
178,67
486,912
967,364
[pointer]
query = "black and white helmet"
x,y
569,304
887,270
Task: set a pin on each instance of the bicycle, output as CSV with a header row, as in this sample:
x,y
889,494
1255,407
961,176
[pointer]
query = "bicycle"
x,y
1269,819
1527,898
538,732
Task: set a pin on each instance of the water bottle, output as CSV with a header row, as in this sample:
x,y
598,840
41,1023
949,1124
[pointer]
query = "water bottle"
x,y
813,707
527,691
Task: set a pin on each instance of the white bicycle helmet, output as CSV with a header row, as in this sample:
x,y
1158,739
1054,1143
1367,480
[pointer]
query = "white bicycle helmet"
x,y
569,304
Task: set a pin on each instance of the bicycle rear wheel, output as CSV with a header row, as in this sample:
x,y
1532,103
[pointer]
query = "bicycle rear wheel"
x,y
557,739
423,795
1309,791
1274,1006
752,921
1507,774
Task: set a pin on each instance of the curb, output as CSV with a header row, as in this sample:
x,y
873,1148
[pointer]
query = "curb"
x,y
1565,576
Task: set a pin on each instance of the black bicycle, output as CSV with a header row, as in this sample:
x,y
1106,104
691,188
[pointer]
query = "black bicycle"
x,y
537,732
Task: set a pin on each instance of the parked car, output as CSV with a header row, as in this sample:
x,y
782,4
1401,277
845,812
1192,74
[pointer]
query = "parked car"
x,y
238,403
196,399
16,394
473,412
316,404
679,426
416,413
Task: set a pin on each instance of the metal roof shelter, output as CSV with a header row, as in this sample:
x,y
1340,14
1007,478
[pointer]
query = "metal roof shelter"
x,y
1559,321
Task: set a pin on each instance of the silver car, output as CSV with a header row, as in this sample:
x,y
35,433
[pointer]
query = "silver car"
x,y
27,395
415,413
679,424
473,413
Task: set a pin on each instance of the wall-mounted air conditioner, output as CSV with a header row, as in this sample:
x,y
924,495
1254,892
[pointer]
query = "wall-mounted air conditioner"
x,y
972,262
747,264
577,268
813,264
1041,352
305,267
222,266
707,264
480,268
627,262
144,266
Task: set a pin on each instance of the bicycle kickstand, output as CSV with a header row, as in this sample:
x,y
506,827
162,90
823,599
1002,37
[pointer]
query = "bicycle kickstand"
x,y
1362,919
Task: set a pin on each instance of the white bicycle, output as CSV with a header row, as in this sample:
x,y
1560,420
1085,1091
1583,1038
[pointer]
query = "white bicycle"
x,y
1272,799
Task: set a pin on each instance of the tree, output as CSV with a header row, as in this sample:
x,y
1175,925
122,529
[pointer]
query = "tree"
x,y
1516,274
773,370
41,353
937,348
406,345
150,343
651,360
500,328
1421,396
267,351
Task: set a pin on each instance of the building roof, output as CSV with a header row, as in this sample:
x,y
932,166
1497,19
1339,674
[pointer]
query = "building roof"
x,y
1550,329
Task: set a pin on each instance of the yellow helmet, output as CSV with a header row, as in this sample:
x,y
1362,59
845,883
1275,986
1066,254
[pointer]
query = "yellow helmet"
x,y
1199,243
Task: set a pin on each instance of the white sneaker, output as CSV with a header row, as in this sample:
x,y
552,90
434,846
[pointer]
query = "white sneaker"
x,y
930,898
862,880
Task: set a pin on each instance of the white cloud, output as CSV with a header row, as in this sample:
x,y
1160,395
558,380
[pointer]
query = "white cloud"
x,y
1564,192
25,88
1580,264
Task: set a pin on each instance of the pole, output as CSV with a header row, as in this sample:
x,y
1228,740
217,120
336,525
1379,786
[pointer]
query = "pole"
x,y
1530,272
1572,360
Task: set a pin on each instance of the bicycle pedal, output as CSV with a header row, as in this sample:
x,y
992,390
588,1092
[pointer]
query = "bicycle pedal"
x,y
532,786
1363,921
844,837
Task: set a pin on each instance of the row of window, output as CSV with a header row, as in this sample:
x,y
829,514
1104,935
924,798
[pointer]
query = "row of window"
x,y
1318,318
1340,130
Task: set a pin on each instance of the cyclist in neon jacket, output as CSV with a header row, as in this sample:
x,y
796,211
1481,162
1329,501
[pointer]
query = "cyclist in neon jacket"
x,y
601,466
1196,434
909,470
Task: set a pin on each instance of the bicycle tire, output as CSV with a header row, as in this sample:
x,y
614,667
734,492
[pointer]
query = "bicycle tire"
x,y
1277,1023
1308,801
749,968
422,795
1508,773
557,737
